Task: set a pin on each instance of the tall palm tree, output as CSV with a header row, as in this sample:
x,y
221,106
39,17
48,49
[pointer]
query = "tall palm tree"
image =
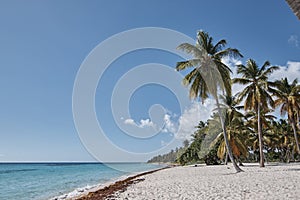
x,y
288,97
209,73
256,93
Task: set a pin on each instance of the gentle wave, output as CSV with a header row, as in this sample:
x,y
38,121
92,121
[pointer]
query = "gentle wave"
x,y
8,171
89,188
75,193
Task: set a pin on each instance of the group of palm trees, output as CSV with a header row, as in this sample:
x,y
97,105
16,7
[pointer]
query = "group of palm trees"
x,y
210,77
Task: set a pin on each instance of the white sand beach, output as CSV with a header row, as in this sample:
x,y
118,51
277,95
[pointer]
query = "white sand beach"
x,y
275,181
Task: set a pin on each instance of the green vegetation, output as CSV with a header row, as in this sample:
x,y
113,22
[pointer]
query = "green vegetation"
x,y
172,156
256,95
209,74
242,133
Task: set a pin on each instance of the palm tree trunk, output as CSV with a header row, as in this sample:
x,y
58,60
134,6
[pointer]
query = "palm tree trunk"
x,y
229,151
240,162
260,138
295,135
298,123
226,158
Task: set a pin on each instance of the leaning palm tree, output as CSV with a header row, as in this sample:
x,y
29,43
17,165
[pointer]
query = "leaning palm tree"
x,y
209,74
288,97
256,93
237,132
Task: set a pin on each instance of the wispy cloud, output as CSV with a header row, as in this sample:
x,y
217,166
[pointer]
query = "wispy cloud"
x,y
191,117
141,124
293,40
129,121
169,125
183,126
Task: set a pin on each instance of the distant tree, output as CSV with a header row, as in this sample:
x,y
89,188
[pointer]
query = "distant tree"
x,y
186,143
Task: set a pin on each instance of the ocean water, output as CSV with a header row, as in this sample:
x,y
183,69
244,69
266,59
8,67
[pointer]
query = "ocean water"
x,y
48,180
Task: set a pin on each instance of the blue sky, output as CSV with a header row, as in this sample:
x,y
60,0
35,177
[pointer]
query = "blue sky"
x,y
43,44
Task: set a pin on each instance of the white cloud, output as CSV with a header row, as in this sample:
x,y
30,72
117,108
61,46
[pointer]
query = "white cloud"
x,y
146,123
231,62
184,126
191,117
291,71
129,121
142,124
293,40
169,126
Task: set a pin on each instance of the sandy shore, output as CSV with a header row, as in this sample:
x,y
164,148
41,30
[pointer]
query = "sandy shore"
x,y
109,189
275,181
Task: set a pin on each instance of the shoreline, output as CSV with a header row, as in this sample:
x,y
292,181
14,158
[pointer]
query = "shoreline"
x,y
110,188
275,181
107,188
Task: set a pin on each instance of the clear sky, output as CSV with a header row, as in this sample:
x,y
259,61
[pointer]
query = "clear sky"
x,y
43,44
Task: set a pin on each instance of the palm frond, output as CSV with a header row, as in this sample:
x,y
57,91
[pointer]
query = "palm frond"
x,y
263,68
219,45
235,53
269,71
190,77
187,64
191,49
242,81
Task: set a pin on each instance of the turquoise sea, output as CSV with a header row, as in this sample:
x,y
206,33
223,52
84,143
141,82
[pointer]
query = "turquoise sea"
x,y
47,180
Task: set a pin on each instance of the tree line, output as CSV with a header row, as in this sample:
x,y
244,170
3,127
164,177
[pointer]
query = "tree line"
x,y
243,123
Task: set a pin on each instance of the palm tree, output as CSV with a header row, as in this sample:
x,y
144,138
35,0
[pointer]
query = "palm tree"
x,y
256,93
283,139
295,6
266,120
236,130
209,73
288,97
